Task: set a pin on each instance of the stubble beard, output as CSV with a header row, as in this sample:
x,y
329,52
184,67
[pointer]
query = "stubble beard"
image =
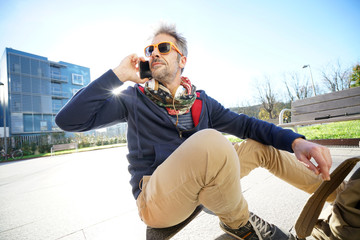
x,y
163,75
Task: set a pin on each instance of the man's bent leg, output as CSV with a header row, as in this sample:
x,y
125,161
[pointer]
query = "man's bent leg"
x,y
204,170
280,163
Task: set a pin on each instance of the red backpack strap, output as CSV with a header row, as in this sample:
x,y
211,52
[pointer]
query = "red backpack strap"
x,y
142,89
196,109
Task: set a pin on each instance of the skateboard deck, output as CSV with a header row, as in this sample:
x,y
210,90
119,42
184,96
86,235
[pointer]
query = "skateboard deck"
x,y
167,233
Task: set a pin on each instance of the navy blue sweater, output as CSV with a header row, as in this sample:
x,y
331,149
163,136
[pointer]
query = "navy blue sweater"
x,y
151,135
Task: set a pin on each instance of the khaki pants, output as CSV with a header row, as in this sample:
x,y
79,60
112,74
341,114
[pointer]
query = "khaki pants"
x,y
206,169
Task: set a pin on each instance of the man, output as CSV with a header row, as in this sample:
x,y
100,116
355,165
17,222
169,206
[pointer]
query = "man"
x,y
178,157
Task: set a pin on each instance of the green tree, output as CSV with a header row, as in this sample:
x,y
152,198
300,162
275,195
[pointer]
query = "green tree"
x,y
263,114
58,137
355,76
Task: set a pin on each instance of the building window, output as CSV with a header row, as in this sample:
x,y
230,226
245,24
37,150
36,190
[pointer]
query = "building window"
x,y
35,67
25,84
17,124
28,123
35,85
36,104
16,83
56,105
46,106
15,103
15,63
43,126
16,68
27,103
37,122
25,65
45,69
45,87
77,79
48,119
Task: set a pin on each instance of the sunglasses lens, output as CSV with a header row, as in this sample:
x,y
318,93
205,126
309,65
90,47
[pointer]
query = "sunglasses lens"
x,y
164,47
149,50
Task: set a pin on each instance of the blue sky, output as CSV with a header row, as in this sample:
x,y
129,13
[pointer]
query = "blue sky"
x,y
233,45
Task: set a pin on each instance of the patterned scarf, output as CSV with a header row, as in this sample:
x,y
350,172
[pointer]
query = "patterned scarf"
x,y
177,105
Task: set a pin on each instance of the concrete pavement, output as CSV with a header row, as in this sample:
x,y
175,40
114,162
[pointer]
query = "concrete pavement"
x,y
86,196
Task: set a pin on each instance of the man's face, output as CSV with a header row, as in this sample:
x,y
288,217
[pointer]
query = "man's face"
x,y
164,67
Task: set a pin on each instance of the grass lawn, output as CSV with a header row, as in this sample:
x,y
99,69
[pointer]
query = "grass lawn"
x,y
336,130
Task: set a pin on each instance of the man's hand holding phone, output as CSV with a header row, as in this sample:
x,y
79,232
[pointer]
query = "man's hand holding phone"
x,y
144,70
128,69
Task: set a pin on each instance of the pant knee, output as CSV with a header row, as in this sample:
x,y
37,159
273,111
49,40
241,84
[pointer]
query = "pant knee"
x,y
218,151
213,141
209,135
213,137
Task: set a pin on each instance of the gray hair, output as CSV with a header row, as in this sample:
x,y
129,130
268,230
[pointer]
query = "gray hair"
x,y
181,42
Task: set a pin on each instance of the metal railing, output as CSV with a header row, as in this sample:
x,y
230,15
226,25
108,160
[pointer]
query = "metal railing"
x,y
57,77
60,94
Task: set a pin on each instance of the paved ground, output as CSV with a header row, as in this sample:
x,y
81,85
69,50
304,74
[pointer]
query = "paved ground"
x,y
87,196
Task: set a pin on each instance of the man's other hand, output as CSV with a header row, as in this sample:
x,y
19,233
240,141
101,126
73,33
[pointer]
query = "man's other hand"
x,y
305,150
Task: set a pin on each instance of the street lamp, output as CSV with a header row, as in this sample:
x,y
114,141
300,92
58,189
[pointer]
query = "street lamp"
x,y
4,112
312,81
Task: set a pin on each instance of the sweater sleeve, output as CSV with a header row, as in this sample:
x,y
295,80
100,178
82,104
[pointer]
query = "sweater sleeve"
x,y
94,106
244,126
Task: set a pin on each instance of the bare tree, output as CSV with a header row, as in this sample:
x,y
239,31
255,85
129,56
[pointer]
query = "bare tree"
x,y
267,97
297,88
336,78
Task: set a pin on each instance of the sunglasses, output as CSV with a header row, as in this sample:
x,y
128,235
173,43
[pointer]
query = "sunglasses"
x,y
163,47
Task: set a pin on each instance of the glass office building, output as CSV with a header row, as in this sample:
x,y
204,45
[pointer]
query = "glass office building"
x,y
33,89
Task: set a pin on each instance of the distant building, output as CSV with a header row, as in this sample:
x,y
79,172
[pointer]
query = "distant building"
x,y
34,89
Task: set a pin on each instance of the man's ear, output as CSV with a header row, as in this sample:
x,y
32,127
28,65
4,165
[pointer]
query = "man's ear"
x,y
182,62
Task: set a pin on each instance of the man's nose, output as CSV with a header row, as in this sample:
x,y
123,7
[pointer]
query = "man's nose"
x,y
155,53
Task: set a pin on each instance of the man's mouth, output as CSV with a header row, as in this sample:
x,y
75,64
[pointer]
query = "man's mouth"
x,y
156,63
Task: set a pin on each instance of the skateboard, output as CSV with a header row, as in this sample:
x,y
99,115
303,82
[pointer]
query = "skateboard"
x,y
167,233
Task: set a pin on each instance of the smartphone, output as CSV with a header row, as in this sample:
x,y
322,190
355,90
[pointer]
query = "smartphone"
x,y
144,69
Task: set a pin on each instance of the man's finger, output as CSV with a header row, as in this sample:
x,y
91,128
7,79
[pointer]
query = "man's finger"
x,y
324,165
309,165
